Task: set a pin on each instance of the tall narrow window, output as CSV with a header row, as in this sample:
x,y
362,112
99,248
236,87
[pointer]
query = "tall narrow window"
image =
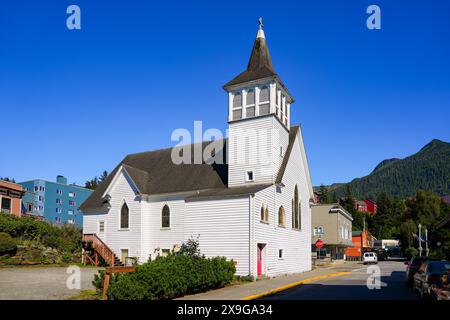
x,y
281,217
124,216
264,101
165,217
295,210
237,106
265,213
250,104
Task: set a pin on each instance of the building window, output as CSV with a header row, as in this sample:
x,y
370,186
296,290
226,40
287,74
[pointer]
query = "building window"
x,y
58,201
165,217
41,188
237,106
281,217
318,231
124,216
72,194
72,203
71,221
58,210
264,213
58,219
264,102
296,210
280,254
101,226
40,198
5,205
59,191
36,188
250,104
249,176
29,207
71,212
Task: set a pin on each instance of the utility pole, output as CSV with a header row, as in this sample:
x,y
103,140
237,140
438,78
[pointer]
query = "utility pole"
x,y
426,242
420,240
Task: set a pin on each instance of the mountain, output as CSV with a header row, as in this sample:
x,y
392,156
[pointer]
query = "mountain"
x,y
428,169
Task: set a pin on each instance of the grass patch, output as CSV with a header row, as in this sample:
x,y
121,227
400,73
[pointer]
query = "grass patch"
x,y
85,295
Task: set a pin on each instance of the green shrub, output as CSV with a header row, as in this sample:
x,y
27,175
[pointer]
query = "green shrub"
x,y
170,277
7,244
411,252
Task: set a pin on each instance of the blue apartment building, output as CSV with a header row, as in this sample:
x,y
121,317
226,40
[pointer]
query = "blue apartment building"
x,y
56,202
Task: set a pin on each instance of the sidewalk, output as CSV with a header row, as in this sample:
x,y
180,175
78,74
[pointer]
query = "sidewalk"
x,y
253,289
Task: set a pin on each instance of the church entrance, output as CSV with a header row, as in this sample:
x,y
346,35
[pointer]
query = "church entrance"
x,y
260,258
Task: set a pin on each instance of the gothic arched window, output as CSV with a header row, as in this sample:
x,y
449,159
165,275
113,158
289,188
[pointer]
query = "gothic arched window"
x,y
281,217
124,216
264,213
165,217
295,210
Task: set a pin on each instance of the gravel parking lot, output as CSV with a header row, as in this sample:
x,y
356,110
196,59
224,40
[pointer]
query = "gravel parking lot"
x,y
41,283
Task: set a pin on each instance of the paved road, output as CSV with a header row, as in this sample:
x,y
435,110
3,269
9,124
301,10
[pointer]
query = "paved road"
x,y
354,286
40,283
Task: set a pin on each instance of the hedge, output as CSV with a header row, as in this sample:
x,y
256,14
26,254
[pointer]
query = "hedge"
x,y
66,238
7,244
171,277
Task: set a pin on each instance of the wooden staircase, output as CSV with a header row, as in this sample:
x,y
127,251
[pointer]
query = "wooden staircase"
x,y
99,251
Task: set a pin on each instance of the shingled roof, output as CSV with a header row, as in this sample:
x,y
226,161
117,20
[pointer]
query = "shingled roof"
x,y
155,173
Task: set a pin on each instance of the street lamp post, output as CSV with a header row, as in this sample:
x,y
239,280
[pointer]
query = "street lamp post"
x,y
420,240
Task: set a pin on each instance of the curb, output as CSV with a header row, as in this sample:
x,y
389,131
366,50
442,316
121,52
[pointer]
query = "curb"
x,y
294,284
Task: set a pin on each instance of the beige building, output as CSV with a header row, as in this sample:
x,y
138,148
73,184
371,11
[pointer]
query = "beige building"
x,y
333,225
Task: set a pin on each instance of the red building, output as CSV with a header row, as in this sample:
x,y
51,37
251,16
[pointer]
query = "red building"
x,y
366,206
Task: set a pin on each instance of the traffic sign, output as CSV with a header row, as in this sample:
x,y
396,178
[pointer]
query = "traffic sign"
x,y
319,244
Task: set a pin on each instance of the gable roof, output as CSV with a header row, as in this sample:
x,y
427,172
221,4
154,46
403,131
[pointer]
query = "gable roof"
x,y
154,173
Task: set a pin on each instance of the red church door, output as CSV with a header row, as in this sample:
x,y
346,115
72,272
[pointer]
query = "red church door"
x,y
260,258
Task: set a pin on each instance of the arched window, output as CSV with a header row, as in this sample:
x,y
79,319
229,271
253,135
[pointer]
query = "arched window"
x,y
264,101
165,217
295,210
264,213
250,104
124,216
281,217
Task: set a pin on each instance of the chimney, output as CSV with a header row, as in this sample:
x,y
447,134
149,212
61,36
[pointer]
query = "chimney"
x,y
61,179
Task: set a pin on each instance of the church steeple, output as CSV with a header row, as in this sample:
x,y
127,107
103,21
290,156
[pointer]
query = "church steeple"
x,y
260,63
258,91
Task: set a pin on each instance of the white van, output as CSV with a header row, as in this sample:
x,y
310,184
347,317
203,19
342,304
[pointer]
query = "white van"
x,y
370,257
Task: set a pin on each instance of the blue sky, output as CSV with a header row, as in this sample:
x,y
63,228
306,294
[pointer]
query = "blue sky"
x,y
76,102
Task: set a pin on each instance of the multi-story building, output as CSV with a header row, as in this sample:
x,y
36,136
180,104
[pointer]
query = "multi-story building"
x,y
11,198
333,225
56,202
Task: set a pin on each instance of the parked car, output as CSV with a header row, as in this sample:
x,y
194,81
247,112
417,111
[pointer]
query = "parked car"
x,y
441,290
370,257
429,274
413,265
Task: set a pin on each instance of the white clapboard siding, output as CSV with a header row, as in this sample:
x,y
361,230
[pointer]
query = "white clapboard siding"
x,y
222,226
118,239
260,153
294,243
153,235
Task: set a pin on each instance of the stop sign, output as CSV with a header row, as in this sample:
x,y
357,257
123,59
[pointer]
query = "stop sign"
x,y
319,244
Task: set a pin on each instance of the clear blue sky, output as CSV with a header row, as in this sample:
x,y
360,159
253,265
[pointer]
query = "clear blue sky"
x,y
76,102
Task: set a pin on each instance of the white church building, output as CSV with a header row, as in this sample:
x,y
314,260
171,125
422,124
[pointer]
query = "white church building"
x,y
253,208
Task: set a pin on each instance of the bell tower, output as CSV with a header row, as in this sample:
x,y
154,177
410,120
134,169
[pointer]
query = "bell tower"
x,y
258,119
